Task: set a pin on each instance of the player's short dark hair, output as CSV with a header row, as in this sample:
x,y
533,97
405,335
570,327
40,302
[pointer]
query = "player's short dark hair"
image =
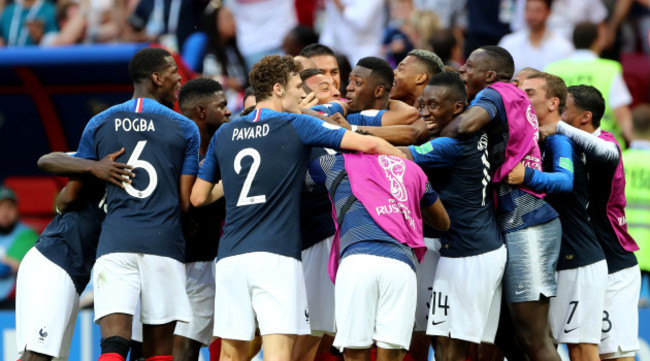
x,y
431,62
500,61
584,35
382,73
548,3
316,50
308,73
588,98
197,88
555,87
248,92
641,119
147,61
271,70
453,82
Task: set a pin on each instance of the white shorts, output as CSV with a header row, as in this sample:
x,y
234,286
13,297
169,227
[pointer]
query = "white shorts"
x,y
123,279
46,307
200,290
319,287
263,287
375,301
424,273
620,327
576,313
466,300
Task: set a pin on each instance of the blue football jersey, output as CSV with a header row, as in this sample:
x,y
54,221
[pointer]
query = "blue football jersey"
x,y
261,159
162,145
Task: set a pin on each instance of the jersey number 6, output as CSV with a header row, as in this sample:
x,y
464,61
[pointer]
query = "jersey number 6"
x,y
139,163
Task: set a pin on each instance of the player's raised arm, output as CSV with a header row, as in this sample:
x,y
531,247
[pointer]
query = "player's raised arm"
x,y
436,216
105,169
466,123
369,144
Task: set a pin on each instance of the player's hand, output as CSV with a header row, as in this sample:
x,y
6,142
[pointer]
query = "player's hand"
x,y
109,171
340,120
516,175
547,130
309,101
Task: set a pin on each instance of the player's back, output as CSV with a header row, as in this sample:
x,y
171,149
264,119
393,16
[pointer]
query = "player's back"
x,y
262,161
161,145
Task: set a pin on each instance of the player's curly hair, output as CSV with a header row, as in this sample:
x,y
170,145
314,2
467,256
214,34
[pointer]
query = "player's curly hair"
x,y
269,71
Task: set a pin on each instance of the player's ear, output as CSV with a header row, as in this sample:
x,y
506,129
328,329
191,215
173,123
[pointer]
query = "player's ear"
x,y
156,78
278,89
586,117
554,104
459,106
490,76
422,78
379,91
200,112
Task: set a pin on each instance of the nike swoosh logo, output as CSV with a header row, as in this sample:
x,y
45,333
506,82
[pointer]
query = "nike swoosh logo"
x,y
602,339
573,329
519,292
436,323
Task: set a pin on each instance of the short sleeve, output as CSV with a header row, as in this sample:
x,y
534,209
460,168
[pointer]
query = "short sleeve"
x,y
490,100
329,109
87,148
315,132
369,118
210,171
619,94
436,153
191,160
318,168
429,197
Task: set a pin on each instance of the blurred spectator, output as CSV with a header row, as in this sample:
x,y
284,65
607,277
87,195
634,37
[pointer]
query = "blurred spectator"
x,y
15,240
422,25
445,44
565,15
537,46
261,26
396,43
585,67
354,28
24,22
637,190
297,39
223,61
487,22
451,13
170,22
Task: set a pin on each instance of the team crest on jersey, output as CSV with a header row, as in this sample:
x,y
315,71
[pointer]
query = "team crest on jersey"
x,y
42,335
394,168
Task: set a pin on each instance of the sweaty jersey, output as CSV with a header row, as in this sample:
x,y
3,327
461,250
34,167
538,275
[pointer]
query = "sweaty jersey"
x,y
462,179
370,117
261,159
607,197
70,240
565,182
516,209
162,145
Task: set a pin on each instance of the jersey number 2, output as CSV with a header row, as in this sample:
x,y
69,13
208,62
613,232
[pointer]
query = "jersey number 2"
x,y
244,198
139,163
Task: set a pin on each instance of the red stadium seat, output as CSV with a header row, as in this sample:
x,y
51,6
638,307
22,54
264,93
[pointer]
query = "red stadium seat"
x,y
36,198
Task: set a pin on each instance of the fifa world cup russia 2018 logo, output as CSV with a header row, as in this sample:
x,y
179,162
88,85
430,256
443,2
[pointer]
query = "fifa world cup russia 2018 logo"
x,y
394,168
532,119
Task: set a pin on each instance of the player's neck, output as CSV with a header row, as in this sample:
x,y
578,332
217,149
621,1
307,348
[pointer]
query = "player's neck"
x,y
272,104
141,91
380,104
